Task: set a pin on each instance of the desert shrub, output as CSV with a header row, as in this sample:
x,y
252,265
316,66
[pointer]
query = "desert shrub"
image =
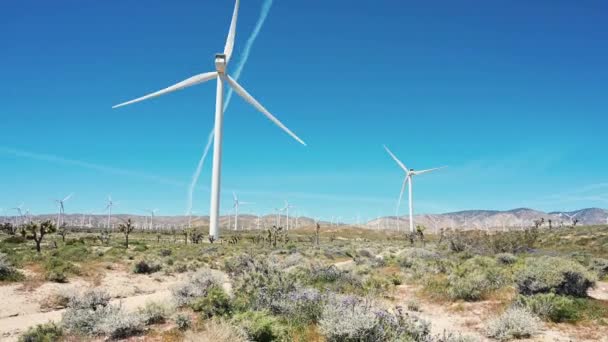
x,y
154,313
261,285
260,326
514,323
553,274
56,301
197,286
15,239
165,252
140,247
413,305
551,307
7,271
348,318
91,314
506,258
218,330
215,303
49,332
57,269
118,324
291,260
452,337
301,306
475,278
146,267
183,322
599,266
365,253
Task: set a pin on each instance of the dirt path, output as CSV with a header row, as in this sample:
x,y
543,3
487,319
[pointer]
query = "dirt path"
x,y
600,291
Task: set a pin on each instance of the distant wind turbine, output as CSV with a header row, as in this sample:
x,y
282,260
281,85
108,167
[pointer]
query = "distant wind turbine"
x,y
409,175
236,204
286,209
152,214
109,209
61,207
221,63
571,217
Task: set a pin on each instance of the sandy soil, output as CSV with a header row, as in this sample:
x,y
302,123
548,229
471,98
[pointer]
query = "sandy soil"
x,y
469,319
21,306
600,291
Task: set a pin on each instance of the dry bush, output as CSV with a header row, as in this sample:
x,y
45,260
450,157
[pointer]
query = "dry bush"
x,y
514,323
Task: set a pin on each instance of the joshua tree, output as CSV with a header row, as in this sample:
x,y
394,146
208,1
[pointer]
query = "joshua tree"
x,y
574,222
126,228
538,223
550,223
105,236
420,233
317,231
39,230
63,231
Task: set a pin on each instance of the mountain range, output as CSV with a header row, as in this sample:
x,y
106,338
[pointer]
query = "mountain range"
x,y
470,219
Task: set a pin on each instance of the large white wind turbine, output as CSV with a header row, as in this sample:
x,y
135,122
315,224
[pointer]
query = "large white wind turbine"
x,y
61,207
409,175
221,63
236,204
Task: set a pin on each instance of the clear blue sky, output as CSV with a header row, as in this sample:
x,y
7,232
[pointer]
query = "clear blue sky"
x,y
511,95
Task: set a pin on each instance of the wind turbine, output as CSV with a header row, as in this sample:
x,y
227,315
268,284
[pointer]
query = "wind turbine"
x,y
221,64
152,213
19,210
409,175
236,205
286,209
571,217
109,209
61,207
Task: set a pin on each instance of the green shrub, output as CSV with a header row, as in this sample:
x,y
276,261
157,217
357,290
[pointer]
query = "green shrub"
x,y
49,332
183,322
260,326
196,287
553,274
550,306
215,303
506,258
165,252
57,269
514,323
15,239
140,248
475,278
146,267
154,313
7,271
599,266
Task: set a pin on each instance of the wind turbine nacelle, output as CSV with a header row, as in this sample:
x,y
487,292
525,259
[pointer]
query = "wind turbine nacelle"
x,y
220,62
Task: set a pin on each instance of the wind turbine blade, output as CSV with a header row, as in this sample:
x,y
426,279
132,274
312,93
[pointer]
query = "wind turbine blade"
x,y
245,95
231,33
401,195
68,197
395,159
428,170
234,196
194,80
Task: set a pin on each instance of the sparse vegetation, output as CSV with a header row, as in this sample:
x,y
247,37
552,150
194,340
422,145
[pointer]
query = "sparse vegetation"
x,y
286,287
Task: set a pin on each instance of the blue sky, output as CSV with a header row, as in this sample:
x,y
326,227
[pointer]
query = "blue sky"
x,y
511,95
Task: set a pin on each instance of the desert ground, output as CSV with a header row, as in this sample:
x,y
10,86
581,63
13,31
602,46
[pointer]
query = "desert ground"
x,y
309,284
